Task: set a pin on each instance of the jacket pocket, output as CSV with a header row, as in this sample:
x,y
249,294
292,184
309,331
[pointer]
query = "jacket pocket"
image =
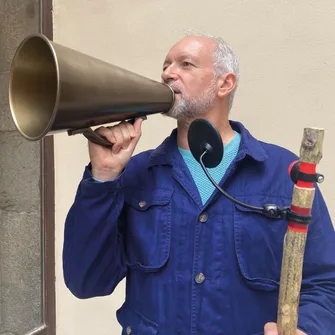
x,y
259,243
148,228
132,322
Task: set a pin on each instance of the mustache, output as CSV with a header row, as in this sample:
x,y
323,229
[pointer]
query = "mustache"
x,y
176,88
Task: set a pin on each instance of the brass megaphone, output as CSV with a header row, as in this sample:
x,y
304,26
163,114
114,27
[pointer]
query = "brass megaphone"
x,y
53,88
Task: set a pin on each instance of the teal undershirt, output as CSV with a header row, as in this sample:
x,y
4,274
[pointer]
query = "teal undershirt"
x,y
205,187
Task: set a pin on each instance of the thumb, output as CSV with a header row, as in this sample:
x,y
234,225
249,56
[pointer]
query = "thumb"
x,y
138,126
138,131
270,329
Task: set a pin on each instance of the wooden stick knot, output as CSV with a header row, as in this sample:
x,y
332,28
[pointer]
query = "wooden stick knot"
x,y
310,141
311,145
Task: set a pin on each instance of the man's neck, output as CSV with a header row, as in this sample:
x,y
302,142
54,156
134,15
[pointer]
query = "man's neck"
x,y
222,125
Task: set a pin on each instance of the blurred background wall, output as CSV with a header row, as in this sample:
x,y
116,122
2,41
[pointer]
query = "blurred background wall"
x,y
287,61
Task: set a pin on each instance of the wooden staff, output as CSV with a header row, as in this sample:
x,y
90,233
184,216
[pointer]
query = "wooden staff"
x,y
295,237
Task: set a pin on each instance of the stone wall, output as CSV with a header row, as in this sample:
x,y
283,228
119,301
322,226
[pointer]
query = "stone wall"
x,y
21,289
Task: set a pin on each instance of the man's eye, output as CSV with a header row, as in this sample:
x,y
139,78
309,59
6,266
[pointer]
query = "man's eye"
x,y
187,64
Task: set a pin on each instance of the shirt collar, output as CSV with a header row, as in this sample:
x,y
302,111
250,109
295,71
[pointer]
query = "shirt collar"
x,y
249,145
167,152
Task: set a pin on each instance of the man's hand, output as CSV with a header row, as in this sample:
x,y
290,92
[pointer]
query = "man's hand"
x,y
108,163
271,329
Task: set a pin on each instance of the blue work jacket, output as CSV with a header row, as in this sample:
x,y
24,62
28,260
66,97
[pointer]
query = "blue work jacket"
x,y
194,269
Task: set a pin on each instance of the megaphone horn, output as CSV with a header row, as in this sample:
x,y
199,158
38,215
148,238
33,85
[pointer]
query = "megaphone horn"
x,y
53,88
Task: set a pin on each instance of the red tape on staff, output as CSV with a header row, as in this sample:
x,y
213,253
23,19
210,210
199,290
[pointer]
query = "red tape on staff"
x,y
309,169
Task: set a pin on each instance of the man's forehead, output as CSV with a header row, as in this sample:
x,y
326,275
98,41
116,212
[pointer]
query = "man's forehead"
x,y
192,46
200,40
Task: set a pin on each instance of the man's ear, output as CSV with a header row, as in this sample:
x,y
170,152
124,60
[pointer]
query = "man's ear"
x,y
226,84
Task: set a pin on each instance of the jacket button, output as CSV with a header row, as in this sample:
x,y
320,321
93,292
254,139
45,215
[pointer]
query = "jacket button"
x,y
200,278
142,203
203,217
128,330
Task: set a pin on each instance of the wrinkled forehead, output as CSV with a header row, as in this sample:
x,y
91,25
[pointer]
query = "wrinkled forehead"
x,y
201,48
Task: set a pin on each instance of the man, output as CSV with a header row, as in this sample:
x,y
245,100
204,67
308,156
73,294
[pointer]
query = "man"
x,y
194,262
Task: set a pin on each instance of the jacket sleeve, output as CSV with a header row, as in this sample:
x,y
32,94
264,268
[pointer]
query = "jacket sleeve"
x,y
93,250
317,298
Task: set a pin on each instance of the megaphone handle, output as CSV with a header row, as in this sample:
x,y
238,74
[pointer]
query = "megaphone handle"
x,y
91,136
95,138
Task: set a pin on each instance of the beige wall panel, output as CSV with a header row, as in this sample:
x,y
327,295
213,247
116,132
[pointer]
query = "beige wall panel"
x,y
287,55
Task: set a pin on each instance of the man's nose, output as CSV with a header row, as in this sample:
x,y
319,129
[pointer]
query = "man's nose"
x,y
169,74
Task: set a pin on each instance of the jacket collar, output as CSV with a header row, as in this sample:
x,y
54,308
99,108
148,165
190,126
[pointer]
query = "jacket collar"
x,y
167,152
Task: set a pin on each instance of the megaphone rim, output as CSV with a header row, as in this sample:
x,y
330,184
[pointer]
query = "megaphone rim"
x,y
47,128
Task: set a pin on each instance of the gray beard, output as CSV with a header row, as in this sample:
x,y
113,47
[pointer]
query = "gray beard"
x,y
188,108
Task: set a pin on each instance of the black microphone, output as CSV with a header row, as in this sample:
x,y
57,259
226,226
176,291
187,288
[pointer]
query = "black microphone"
x,y
206,146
